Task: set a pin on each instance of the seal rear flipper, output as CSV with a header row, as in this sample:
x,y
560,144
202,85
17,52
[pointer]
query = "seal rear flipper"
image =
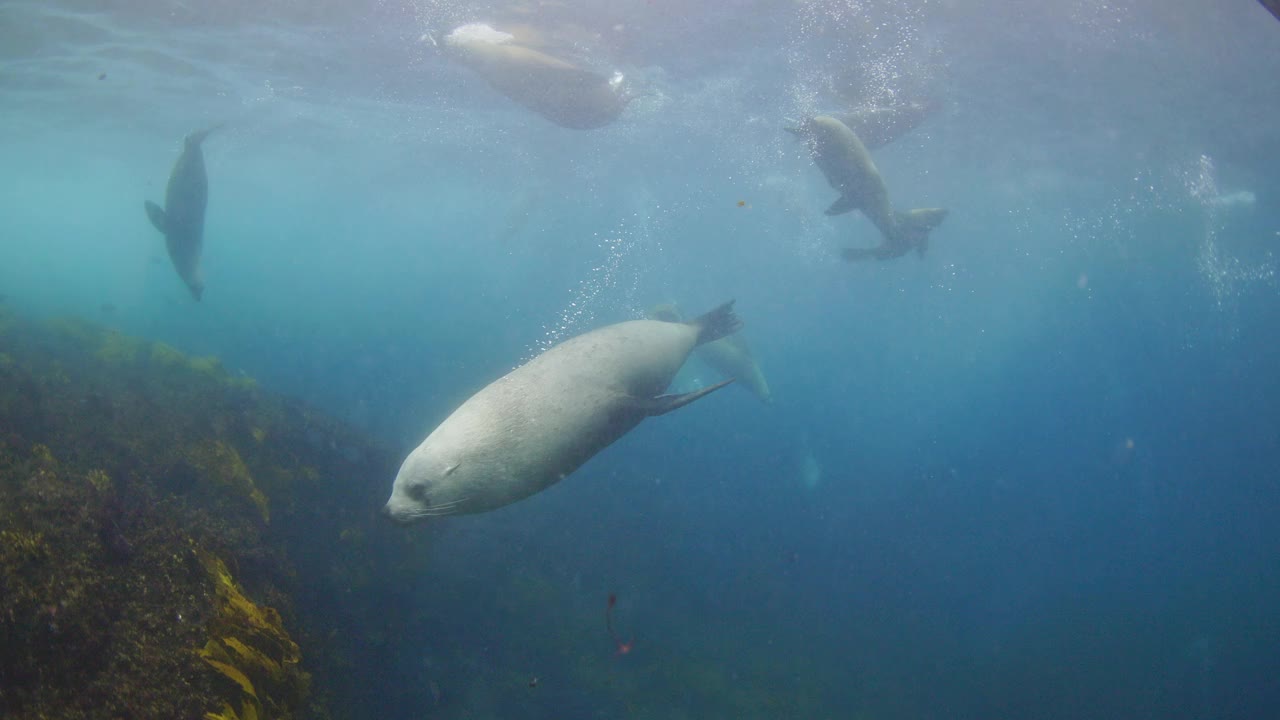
x,y
842,205
716,324
157,216
914,226
663,404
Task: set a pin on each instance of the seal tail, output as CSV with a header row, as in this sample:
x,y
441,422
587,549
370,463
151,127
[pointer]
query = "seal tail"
x,y
716,324
914,226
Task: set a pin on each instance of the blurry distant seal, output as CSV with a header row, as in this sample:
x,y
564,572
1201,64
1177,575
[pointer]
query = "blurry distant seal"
x,y
880,125
561,92
182,219
532,427
730,356
848,167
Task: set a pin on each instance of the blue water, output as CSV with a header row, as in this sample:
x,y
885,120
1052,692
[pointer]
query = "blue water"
x,y
1031,475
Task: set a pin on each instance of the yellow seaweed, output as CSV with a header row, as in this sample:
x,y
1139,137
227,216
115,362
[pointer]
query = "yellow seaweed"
x,y
99,479
248,644
250,656
117,348
234,673
224,464
228,713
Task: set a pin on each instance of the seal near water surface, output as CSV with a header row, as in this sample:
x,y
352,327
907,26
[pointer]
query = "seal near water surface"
x,y
848,167
534,426
560,91
182,219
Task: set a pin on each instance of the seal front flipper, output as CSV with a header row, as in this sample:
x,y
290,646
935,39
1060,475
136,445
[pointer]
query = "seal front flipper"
x,y
157,216
842,205
663,404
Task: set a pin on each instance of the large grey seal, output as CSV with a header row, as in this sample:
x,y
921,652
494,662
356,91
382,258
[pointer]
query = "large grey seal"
x,y
848,167
730,356
532,427
182,219
560,91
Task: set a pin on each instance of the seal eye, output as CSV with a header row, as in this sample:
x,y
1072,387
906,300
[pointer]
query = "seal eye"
x,y
418,493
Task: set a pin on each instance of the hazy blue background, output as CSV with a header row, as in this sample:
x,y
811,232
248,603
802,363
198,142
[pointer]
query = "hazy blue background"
x,y
1033,475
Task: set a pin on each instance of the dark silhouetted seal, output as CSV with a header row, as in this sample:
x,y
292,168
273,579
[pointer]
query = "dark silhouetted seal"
x,y
182,219
848,167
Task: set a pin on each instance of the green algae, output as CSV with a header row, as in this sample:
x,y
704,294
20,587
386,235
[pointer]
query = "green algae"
x,y
116,348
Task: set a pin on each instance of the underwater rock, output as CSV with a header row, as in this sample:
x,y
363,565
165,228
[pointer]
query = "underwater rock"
x,y
157,516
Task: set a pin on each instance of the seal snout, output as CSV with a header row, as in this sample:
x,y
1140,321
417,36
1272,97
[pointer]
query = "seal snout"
x,y
399,516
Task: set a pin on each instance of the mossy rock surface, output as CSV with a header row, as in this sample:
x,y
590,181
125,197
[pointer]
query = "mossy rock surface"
x,y
158,516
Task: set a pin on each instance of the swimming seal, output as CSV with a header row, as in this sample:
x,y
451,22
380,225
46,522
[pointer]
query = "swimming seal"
x,y
880,125
182,219
561,92
848,167
729,356
532,427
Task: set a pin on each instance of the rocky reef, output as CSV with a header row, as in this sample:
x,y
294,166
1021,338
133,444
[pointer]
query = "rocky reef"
x,y
160,519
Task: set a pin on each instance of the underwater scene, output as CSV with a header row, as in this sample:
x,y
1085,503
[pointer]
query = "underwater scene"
x,y
644,359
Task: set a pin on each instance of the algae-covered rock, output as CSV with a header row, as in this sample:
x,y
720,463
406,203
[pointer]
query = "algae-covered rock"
x,y
139,575
220,462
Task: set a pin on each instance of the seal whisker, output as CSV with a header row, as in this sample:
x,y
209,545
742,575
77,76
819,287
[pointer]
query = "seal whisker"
x,y
446,505
440,510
